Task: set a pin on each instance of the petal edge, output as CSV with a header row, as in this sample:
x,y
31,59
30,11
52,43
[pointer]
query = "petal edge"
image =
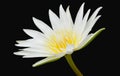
x,y
91,39
45,60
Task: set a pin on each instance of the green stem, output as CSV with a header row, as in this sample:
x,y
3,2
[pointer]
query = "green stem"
x,y
72,65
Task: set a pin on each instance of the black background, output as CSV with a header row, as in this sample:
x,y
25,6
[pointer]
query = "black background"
x,y
100,58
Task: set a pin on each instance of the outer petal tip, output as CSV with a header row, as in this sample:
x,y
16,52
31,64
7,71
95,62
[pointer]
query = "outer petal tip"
x,y
83,4
49,10
33,18
24,30
46,60
14,53
68,7
100,7
60,6
102,29
33,65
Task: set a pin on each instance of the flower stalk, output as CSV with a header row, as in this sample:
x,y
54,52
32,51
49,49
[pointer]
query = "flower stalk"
x,y
72,65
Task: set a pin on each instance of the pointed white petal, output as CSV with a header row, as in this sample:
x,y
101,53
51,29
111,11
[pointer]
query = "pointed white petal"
x,y
84,21
43,27
83,42
63,15
89,28
55,21
38,50
34,33
65,23
35,56
79,16
22,41
26,44
89,39
94,15
70,21
93,19
80,28
26,53
31,53
46,60
31,43
34,46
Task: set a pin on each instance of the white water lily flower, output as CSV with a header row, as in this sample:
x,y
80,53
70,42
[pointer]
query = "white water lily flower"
x,y
63,38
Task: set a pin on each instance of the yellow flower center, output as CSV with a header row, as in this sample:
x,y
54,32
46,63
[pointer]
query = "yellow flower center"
x,y
58,42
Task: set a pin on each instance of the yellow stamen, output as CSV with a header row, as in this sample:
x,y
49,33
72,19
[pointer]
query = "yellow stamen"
x,y
59,41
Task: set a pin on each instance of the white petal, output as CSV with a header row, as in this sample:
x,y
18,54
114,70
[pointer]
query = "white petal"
x,y
20,41
36,41
46,60
89,39
26,44
92,20
64,19
63,15
85,41
32,54
70,21
30,43
35,34
43,27
89,28
55,21
79,16
80,28
94,15
84,21
38,50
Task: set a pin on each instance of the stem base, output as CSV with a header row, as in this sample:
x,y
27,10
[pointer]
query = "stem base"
x,y
72,65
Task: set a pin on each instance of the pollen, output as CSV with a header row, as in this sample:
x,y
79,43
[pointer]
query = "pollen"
x,y
58,42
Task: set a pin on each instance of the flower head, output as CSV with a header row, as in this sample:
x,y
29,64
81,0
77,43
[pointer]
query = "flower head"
x,y
63,38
